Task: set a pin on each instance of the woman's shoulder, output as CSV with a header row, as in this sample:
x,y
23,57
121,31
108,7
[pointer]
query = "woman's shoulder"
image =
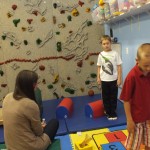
x,y
8,96
29,103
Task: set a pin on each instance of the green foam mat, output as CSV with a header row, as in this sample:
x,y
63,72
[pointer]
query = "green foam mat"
x,y
56,145
2,147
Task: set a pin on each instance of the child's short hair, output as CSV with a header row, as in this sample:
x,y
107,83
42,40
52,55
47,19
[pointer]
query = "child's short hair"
x,y
143,49
105,37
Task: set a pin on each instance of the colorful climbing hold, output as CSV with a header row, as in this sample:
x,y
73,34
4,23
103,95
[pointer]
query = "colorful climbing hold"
x,y
59,46
38,41
3,37
14,7
69,18
16,21
57,32
42,67
93,75
50,86
1,73
25,42
87,82
69,90
29,20
81,3
55,5
89,23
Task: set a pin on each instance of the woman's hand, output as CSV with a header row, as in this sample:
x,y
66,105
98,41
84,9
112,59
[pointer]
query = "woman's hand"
x,y
43,123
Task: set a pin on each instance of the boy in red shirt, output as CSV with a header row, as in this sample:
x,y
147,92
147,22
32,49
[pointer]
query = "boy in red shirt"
x,y
136,97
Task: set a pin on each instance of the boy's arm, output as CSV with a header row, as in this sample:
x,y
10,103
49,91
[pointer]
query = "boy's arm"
x,y
119,80
98,75
130,122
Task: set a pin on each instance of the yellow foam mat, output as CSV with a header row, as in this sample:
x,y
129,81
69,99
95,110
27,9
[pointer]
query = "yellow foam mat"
x,y
79,137
98,138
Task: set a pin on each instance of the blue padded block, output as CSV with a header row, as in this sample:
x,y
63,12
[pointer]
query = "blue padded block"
x,y
49,112
62,112
88,111
79,122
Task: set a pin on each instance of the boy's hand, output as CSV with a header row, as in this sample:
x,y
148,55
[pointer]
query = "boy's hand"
x,y
99,81
130,126
119,82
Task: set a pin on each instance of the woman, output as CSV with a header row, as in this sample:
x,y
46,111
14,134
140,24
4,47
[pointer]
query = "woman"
x,y
21,117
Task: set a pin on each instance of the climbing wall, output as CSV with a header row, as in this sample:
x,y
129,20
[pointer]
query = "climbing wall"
x,y
56,39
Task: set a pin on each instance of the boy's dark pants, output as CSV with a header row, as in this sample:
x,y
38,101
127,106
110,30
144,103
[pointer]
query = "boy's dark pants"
x,y
109,96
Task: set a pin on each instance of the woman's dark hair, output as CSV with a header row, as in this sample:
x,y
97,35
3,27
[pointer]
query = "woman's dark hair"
x,y
25,83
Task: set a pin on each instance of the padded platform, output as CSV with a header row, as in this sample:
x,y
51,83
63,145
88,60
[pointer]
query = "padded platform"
x,y
79,122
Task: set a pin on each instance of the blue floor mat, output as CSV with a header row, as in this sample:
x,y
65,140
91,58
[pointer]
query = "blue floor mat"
x,y
1,135
49,112
65,142
79,122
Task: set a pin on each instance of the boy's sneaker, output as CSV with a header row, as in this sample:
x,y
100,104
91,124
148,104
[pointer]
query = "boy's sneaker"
x,y
108,116
114,116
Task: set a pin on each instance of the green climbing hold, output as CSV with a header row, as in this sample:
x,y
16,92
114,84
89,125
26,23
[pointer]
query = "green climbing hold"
x,y
89,23
71,91
87,82
1,73
93,75
50,86
59,46
38,41
11,43
25,42
16,21
3,37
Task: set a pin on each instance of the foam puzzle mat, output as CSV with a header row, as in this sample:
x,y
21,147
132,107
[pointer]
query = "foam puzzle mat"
x,y
102,139
56,145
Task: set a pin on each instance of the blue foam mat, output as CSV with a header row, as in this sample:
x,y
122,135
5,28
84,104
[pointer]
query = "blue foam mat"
x,y
123,127
65,142
1,135
79,122
49,112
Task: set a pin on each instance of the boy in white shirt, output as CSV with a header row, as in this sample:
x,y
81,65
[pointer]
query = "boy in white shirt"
x,y
109,75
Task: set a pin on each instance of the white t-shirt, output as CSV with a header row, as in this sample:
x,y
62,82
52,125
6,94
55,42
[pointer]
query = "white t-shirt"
x,y
109,62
